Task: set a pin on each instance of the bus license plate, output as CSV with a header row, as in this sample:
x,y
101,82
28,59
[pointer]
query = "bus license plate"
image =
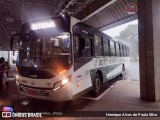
x,y
32,92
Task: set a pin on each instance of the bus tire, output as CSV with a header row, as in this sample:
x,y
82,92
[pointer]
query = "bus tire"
x,y
97,83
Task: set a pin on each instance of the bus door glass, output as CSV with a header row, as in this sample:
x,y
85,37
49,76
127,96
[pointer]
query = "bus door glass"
x,y
83,50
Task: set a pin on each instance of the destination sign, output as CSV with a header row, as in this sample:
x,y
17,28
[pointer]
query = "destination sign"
x,y
43,25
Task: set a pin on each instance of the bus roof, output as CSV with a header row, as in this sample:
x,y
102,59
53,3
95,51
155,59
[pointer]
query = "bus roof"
x,y
99,32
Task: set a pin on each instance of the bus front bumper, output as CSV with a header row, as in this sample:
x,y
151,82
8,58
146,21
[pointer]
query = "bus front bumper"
x,y
63,94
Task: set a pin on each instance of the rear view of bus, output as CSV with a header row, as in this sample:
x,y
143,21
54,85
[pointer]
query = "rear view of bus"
x,y
44,64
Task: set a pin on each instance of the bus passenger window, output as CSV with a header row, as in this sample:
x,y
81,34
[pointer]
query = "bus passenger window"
x,y
127,51
77,51
98,45
86,47
122,51
82,47
106,47
112,48
117,49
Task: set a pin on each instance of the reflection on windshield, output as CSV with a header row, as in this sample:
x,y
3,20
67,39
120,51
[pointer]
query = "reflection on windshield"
x,y
41,51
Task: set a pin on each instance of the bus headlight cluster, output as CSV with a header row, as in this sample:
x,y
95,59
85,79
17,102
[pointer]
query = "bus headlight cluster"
x,y
65,81
61,83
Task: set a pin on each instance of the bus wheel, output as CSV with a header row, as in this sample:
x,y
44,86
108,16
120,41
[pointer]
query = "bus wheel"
x,y
97,85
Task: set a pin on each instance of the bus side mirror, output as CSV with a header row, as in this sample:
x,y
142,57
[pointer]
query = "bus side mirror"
x,y
14,42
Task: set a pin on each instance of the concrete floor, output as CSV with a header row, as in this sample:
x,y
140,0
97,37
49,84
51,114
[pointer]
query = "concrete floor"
x,y
123,96
132,73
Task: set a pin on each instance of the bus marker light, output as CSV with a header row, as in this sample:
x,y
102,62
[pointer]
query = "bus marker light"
x,y
78,85
62,71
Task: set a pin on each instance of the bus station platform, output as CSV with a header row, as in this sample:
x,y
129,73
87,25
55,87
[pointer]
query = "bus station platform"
x,y
123,95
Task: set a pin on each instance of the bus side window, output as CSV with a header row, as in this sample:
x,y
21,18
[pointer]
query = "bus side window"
x,y
125,51
121,50
106,47
77,46
117,50
112,48
86,47
120,54
82,47
98,45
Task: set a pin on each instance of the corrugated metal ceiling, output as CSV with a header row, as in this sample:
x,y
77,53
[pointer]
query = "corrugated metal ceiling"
x,y
112,16
14,12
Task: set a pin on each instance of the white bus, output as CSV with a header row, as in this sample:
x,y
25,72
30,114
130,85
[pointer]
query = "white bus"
x,y
61,58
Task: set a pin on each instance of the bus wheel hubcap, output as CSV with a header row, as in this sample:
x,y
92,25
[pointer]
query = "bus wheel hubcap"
x,y
97,84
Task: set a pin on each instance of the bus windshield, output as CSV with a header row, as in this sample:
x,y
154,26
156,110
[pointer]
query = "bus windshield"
x,y
40,51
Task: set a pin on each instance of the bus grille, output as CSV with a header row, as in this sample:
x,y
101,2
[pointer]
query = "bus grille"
x,y
40,92
39,74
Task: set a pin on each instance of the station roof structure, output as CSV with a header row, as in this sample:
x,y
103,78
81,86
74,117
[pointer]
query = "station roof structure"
x,y
101,14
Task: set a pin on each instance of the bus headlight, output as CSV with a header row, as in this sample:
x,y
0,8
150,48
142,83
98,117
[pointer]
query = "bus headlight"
x,y
61,83
65,81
